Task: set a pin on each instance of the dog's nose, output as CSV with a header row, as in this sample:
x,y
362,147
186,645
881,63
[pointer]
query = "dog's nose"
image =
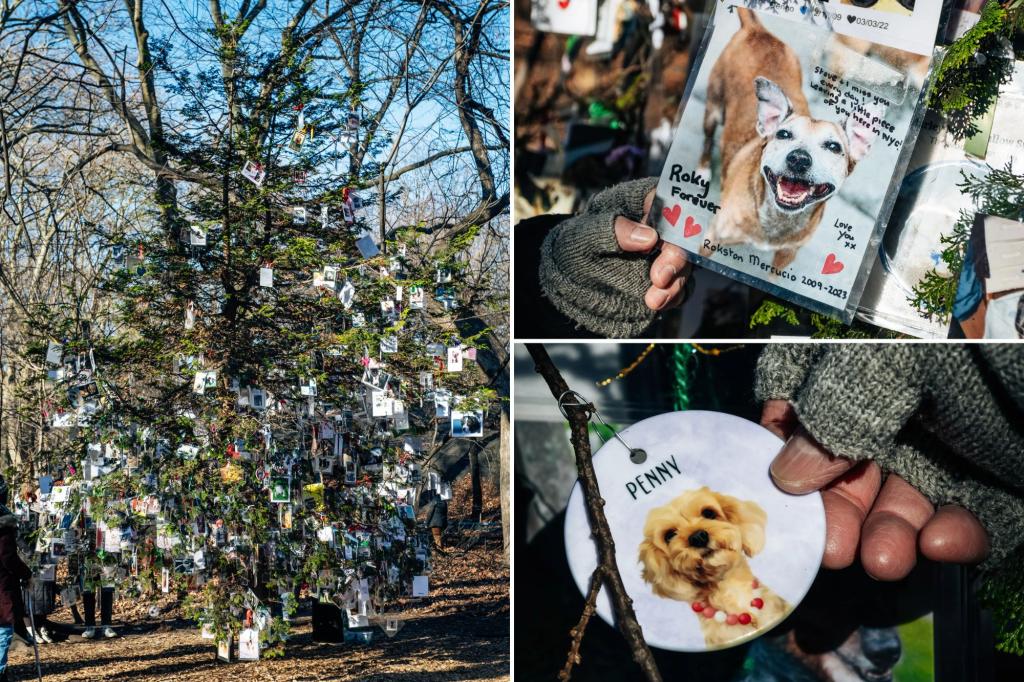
x,y
698,538
881,646
798,160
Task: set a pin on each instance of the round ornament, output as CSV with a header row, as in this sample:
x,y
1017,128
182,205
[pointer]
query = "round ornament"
x,y
710,551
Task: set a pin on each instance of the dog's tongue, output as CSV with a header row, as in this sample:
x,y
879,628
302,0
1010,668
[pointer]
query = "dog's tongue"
x,y
793,191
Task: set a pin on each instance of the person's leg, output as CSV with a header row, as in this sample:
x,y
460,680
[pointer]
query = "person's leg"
x,y
89,604
6,633
106,605
436,532
107,611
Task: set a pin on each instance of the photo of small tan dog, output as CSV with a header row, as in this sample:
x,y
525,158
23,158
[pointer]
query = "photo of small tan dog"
x,y
695,550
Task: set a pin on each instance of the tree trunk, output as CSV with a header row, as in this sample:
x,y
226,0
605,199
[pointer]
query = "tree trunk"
x,y
478,493
505,483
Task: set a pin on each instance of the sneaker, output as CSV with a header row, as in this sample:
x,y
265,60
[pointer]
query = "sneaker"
x,y
109,633
45,635
89,633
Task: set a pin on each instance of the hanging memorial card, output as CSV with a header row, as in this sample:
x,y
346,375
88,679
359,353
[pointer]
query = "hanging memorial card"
x,y
417,298
249,644
267,276
442,403
711,553
54,353
793,192
572,17
254,173
299,215
367,247
280,489
455,359
197,235
467,424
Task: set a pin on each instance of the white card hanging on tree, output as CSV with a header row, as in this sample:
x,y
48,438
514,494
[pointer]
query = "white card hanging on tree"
x,y
298,215
389,344
347,294
387,309
323,217
417,298
455,359
249,644
267,276
54,353
570,17
254,173
204,380
724,555
442,403
401,416
197,235
381,405
190,315
367,247
420,586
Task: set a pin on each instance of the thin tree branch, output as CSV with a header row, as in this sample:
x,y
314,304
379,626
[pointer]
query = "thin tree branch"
x,y
579,419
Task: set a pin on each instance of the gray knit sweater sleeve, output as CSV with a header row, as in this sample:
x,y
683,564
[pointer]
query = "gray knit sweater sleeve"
x,y
944,417
585,274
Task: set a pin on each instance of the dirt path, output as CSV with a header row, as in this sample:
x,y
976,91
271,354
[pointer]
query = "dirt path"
x,y
460,633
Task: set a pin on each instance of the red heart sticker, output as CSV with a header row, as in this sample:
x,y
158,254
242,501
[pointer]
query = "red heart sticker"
x,y
564,4
691,227
672,214
832,266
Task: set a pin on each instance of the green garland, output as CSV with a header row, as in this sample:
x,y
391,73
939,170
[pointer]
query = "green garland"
x,y
684,360
999,193
966,82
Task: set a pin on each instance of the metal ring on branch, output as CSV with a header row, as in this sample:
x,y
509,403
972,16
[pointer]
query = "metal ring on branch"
x,y
636,455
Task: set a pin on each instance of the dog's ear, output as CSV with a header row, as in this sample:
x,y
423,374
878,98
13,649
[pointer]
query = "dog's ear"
x,y
654,561
662,578
750,518
860,132
773,106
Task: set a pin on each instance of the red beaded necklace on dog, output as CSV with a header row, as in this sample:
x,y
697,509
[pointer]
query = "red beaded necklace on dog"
x,y
744,618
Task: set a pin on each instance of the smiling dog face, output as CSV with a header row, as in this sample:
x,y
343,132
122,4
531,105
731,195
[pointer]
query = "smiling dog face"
x,y
694,541
805,160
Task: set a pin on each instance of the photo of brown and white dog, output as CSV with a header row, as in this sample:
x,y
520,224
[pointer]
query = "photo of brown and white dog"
x,y
695,549
780,165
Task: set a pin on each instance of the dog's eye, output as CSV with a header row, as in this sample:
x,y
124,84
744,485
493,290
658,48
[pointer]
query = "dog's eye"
x,y
669,535
709,513
833,147
784,134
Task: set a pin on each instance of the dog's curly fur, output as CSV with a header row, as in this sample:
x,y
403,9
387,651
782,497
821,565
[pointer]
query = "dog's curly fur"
x,y
717,573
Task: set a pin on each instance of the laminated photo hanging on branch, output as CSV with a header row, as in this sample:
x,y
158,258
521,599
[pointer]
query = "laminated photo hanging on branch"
x,y
793,138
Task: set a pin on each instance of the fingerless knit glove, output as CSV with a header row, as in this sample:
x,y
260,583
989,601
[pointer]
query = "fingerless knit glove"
x,y
947,418
585,274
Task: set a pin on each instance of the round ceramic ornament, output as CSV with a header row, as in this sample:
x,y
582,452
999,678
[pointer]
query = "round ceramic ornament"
x,y
712,553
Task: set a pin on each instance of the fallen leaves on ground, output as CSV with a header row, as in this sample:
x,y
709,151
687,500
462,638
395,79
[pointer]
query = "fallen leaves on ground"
x,y
459,633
